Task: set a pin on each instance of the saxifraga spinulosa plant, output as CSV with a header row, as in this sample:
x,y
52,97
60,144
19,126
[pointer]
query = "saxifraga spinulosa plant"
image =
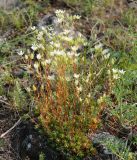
x,y
69,87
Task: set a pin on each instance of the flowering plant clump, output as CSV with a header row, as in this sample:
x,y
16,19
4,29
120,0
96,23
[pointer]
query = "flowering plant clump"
x,y
65,83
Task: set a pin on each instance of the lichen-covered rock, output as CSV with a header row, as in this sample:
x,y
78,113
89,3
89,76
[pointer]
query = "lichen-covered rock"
x,y
8,4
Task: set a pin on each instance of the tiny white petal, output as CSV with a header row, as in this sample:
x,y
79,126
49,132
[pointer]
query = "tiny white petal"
x,y
76,75
48,61
26,57
79,89
52,77
98,46
33,28
38,56
34,47
122,71
77,16
20,53
36,65
105,51
74,48
41,46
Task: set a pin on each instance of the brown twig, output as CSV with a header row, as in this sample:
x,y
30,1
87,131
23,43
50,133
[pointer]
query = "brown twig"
x,y
9,130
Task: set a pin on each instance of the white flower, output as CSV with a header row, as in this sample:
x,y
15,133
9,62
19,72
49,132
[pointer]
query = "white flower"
x,y
98,46
122,71
117,73
106,56
43,28
66,31
31,56
57,52
48,61
61,53
115,70
20,53
59,11
87,80
29,146
74,48
41,46
76,75
43,63
89,95
33,28
53,53
57,45
50,28
38,56
75,60
28,89
70,54
26,57
77,54
79,89
60,20
105,51
80,99
116,76
40,35
34,47
36,65
80,35
77,17
51,43
51,77
68,39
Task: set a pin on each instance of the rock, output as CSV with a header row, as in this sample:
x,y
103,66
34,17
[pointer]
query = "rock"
x,y
50,20
18,72
132,4
9,4
103,151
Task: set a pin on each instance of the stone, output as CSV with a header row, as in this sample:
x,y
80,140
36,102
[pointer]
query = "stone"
x,y
8,4
50,20
103,151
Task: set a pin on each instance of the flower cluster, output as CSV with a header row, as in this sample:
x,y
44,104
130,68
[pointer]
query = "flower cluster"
x,y
116,73
105,52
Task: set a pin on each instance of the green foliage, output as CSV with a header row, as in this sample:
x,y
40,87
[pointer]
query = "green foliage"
x,y
83,6
20,17
118,148
2,143
42,156
5,79
129,18
18,97
125,93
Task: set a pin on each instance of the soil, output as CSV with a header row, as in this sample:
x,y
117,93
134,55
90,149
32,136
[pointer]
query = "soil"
x,y
7,119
